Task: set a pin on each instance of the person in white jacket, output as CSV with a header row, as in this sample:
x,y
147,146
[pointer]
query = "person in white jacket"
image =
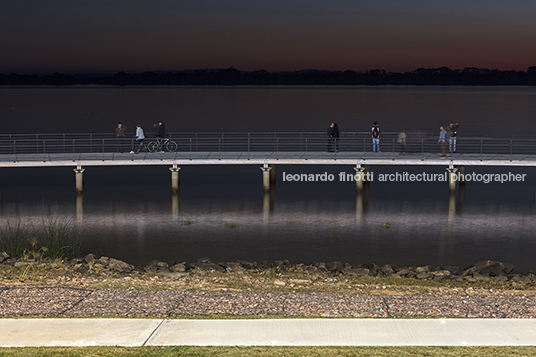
x,y
140,136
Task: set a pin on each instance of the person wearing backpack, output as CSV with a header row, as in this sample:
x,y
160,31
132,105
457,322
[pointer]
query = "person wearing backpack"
x,y
375,132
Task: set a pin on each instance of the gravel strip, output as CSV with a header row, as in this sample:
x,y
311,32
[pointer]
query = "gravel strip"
x,y
66,301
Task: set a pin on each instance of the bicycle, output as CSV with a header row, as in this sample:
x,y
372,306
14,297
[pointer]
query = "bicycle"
x,y
162,145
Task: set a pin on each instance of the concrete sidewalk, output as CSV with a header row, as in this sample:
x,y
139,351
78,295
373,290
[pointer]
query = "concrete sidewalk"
x,y
268,332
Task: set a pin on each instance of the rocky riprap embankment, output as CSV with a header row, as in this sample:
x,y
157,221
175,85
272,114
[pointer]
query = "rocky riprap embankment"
x,y
488,270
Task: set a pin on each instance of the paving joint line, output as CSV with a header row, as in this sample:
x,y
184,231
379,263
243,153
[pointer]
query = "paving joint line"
x,y
152,333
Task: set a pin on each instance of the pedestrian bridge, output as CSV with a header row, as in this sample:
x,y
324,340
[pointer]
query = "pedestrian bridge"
x,y
265,149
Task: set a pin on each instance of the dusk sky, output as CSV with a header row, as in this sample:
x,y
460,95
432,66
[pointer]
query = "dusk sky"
x,y
108,36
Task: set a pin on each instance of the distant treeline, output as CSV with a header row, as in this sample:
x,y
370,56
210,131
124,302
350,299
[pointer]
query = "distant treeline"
x,y
423,76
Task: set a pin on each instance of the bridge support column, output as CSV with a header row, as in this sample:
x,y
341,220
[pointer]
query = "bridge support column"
x,y
79,179
266,181
175,178
359,177
452,178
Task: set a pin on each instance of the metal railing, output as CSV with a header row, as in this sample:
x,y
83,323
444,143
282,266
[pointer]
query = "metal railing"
x,y
251,142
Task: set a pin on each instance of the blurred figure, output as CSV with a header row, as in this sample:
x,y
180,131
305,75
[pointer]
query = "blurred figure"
x,y
402,140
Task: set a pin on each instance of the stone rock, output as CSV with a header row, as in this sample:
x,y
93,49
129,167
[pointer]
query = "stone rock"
x,y
423,275
335,267
104,260
403,272
120,266
356,271
90,258
386,270
204,260
451,268
423,269
247,265
489,268
499,278
178,268
155,265
441,273
208,266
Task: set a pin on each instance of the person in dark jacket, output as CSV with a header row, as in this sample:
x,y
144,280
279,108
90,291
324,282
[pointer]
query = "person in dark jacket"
x,y
453,131
333,137
120,134
161,135
375,133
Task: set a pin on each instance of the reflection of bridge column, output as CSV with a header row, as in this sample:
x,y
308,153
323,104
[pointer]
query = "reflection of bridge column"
x,y
452,204
175,178
461,196
266,180
175,204
268,203
362,199
79,207
79,178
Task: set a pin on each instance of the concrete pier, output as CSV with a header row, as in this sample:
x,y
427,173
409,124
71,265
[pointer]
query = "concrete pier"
x,y
272,174
175,178
452,178
266,179
359,178
79,179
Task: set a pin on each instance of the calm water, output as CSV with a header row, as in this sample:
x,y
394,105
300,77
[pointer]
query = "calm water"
x,y
479,110
129,213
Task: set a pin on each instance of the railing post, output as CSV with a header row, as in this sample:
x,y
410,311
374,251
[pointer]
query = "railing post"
x,y
249,139
64,145
74,146
103,146
191,144
481,147
422,146
44,147
306,145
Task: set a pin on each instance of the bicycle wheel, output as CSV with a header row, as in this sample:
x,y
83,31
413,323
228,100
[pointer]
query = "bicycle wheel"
x,y
171,146
153,146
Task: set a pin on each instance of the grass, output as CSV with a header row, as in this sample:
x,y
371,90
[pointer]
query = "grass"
x,y
186,222
230,225
52,236
237,351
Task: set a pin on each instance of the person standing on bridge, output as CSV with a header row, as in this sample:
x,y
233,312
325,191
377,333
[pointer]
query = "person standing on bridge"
x,y
120,134
161,135
453,131
375,133
443,141
333,137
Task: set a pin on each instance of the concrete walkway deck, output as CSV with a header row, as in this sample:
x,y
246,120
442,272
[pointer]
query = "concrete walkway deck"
x,y
268,332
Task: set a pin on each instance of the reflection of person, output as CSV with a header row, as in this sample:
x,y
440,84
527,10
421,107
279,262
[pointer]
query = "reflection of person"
x,y
402,140
375,132
120,134
443,141
333,137
453,131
